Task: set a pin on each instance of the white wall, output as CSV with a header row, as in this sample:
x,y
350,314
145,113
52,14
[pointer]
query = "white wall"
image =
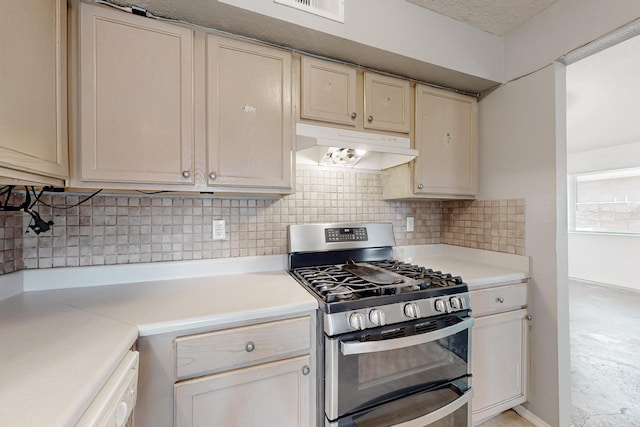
x,y
522,107
522,154
561,28
621,156
605,258
405,29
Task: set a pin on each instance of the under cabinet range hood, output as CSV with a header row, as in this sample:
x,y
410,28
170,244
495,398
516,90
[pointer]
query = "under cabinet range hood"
x,y
327,146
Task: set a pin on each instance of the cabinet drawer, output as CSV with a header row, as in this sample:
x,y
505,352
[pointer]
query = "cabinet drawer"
x,y
232,348
498,299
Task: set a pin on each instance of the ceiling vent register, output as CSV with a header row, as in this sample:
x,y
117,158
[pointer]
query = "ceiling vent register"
x,y
331,9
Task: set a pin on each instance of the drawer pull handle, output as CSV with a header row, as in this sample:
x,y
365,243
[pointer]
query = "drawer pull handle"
x,y
529,317
500,300
354,115
186,174
370,119
250,347
306,370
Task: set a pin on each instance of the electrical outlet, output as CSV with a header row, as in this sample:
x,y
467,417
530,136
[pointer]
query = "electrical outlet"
x,y
409,223
218,229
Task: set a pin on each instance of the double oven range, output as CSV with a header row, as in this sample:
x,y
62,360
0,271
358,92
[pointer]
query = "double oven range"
x,y
396,337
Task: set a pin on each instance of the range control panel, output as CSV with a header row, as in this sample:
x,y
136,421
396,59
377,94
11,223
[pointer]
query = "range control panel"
x,y
351,234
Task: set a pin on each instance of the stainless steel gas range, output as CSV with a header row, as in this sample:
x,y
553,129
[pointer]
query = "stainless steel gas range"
x,y
396,337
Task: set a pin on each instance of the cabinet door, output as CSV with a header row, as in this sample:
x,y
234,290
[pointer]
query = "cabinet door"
x,y
499,362
249,115
33,111
387,101
446,139
136,97
272,394
328,91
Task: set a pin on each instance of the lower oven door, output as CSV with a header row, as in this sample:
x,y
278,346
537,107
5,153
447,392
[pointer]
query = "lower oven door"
x,y
448,405
369,368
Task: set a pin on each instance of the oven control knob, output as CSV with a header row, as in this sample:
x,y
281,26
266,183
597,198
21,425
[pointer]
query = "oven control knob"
x,y
441,305
456,303
356,320
412,310
377,317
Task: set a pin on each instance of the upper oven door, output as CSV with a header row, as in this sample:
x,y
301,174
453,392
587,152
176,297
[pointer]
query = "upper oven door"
x,y
368,368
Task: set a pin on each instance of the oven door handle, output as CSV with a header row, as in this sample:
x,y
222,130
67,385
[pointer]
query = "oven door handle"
x,y
439,413
356,347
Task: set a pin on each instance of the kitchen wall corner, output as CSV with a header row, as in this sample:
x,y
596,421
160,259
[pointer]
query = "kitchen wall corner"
x,y
11,231
494,225
126,229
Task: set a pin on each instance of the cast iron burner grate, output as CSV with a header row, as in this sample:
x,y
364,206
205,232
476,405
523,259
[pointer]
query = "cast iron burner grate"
x,y
332,283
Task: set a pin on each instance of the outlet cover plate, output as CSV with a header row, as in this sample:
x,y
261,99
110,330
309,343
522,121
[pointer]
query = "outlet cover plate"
x,y
218,229
409,223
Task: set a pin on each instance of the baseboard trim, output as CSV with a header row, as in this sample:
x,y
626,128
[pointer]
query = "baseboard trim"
x,y
529,416
604,285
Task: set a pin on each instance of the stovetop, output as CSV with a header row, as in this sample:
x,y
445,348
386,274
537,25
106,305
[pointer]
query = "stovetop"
x,y
339,289
351,270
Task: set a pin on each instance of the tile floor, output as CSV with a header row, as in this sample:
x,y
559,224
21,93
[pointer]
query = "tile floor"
x,y
605,354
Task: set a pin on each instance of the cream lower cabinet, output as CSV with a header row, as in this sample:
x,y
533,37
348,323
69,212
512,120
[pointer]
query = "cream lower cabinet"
x,y
446,140
500,350
33,90
260,374
271,394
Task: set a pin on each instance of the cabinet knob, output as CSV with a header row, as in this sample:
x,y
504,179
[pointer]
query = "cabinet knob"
x,y
186,174
212,176
354,115
529,317
420,186
305,370
250,347
500,300
370,119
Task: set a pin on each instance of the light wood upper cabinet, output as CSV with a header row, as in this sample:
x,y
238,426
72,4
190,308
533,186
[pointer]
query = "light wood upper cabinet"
x,y
328,91
162,106
347,96
387,102
33,90
446,139
136,99
249,114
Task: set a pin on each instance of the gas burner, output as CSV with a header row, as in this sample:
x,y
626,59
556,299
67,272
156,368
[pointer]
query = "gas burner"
x,y
336,283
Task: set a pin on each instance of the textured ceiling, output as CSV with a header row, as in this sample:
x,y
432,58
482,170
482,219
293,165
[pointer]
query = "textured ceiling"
x,y
602,98
494,16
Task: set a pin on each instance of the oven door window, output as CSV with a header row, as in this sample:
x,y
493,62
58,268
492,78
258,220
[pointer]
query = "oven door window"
x,y
366,369
445,406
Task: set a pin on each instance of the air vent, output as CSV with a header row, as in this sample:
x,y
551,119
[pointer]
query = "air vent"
x,y
331,9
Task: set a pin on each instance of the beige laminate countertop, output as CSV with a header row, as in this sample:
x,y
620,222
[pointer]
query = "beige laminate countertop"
x,y
177,305
59,346
478,268
64,335
54,359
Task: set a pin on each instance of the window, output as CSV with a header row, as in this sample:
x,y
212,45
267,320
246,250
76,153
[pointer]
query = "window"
x,y
607,201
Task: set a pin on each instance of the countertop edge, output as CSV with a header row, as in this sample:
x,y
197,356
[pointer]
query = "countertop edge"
x,y
220,321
